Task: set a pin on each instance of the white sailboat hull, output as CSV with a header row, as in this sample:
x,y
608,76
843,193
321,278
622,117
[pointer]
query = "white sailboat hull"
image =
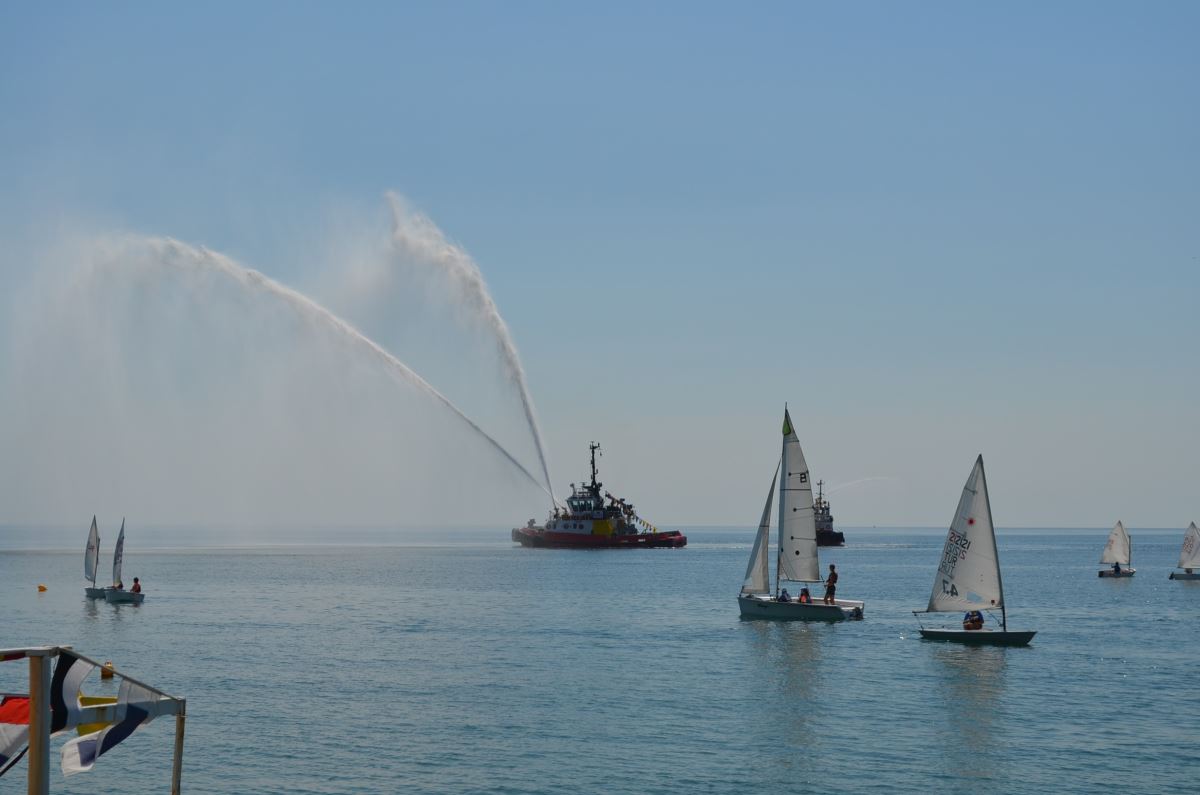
x,y
96,593
766,607
113,596
1183,575
1111,573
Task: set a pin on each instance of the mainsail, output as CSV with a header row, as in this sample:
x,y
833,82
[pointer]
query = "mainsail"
x,y
1189,556
797,524
91,556
1117,549
757,572
119,555
968,577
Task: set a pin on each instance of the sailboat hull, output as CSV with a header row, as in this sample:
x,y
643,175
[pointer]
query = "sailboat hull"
x,y
1183,575
113,596
95,593
979,637
1111,573
765,607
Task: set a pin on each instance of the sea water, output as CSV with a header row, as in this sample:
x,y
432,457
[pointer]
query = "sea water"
x,y
456,662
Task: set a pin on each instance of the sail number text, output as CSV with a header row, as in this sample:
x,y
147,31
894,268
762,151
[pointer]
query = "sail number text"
x,y
956,548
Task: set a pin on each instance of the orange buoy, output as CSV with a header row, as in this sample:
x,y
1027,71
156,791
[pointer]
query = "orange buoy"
x,y
106,671
41,587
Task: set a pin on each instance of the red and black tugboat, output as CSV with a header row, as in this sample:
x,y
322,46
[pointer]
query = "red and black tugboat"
x,y
595,519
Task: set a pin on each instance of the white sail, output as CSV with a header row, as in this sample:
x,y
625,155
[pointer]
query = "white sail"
x,y
797,524
1189,556
1117,549
91,556
119,555
757,572
968,577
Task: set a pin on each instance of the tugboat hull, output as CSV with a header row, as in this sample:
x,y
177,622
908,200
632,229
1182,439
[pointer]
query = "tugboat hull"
x,y
830,538
539,537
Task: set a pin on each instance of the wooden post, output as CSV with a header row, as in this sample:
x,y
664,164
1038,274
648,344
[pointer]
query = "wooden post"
x,y
177,763
39,722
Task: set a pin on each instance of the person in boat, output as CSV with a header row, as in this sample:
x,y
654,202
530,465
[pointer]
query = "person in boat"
x,y
973,620
137,586
1116,569
120,586
805,597
784,596
831,585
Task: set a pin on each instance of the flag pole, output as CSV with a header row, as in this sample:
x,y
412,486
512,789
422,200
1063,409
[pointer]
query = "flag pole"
x,y
39,721
177,763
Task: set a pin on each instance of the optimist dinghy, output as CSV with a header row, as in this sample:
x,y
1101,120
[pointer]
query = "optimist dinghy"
x,y
1117,552
1189,555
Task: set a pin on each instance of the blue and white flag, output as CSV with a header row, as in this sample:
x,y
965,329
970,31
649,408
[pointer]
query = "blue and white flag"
x,y
136,706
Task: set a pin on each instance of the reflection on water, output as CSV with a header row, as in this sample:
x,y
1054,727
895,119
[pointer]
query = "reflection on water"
x,y
971,685
787,691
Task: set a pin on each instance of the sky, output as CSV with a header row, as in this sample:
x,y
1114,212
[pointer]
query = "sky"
x,y
934,230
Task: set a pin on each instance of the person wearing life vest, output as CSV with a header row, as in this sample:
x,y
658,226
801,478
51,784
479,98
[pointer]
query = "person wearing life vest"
x,y
973,620
137,586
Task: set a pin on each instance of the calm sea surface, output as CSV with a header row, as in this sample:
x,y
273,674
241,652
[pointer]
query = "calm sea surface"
x,y
456,662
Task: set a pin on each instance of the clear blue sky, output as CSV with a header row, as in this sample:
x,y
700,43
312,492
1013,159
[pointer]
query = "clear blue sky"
x,y
935,229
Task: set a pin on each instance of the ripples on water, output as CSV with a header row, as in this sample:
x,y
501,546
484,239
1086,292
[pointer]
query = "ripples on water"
x,y
477,667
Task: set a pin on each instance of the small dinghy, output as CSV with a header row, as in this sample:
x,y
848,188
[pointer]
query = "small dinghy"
x,y
797,559
91,562
968,576
1117,552
1189,555
117,594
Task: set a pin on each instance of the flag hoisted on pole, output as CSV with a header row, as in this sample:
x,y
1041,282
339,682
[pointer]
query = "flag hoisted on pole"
x,y
56,705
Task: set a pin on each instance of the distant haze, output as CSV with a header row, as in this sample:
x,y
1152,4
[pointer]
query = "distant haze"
x,y
934,231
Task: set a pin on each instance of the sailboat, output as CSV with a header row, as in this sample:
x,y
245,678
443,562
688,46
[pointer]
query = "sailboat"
x,y
968,576
1117,552
1189,555
797,558
118,593
91,562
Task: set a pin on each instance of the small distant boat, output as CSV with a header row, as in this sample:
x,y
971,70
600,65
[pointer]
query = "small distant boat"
x,y
91,562
118,594
588,522
968,576
1189,555
797,559
1118,552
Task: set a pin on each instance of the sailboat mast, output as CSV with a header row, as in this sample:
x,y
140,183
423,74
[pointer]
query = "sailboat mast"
x,y
987,499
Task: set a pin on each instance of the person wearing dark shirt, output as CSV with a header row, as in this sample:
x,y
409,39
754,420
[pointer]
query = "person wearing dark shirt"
x,y
973,620
784,596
